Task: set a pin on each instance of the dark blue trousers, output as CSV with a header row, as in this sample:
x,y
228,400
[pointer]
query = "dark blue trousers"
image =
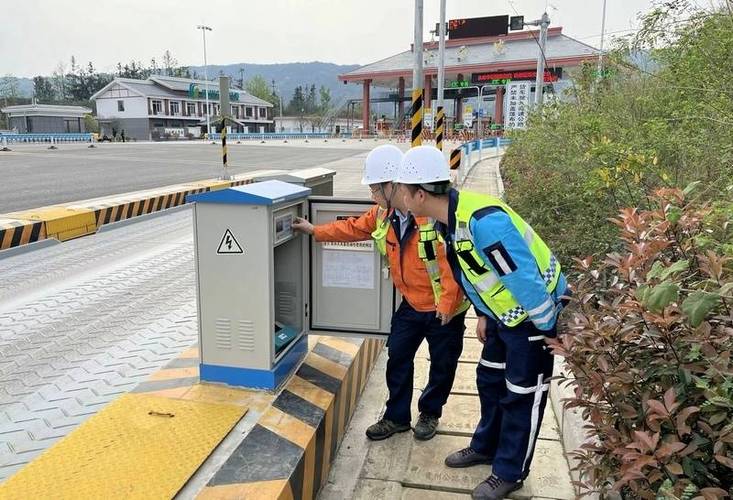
x,y
513,379
409,328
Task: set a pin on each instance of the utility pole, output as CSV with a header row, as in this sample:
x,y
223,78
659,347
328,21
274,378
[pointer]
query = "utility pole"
x,y
440,114
600,52
543,23
204,29
281,104
417,109
241,77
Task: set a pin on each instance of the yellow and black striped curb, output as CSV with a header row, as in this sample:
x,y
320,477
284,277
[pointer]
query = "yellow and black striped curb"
x,y
417,116
439,128
289,452
71,220
455,158
14,232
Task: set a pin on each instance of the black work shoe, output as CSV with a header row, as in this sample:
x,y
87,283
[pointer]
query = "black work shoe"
x,y
426,427
466,458
384,429
495,488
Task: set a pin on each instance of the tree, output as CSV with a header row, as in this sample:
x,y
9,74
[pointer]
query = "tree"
x,y
91,124
59,81
296,106
311,106
325,94
43,89
169,63
9,86
258,87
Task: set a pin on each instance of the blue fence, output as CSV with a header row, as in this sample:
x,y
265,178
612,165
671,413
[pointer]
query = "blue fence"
x,y
251,136
36,138
475,145
469,157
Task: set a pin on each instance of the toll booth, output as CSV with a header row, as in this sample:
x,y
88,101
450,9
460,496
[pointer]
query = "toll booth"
x,y
262,287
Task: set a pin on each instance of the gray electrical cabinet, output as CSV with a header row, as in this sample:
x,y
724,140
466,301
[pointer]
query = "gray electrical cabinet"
x,y
262,287
319,179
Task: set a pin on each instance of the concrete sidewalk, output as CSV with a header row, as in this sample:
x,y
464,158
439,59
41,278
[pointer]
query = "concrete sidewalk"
x,y
404,468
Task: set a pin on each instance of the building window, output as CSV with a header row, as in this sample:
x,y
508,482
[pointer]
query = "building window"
x,y
249,112
175,108
191,108
120,105
263,112
157,107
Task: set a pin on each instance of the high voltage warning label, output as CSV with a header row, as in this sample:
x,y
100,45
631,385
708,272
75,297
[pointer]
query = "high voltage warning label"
x,y
229,244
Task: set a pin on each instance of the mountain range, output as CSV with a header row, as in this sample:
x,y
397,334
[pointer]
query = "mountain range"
x,y
287,76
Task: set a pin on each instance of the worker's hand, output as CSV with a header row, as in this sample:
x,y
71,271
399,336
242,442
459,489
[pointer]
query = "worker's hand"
x,y
302,225
481,328
444,318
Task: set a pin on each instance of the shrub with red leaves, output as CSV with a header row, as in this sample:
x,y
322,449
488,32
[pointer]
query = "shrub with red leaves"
x,y
649,345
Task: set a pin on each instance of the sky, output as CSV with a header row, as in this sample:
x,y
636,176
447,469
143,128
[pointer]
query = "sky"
x,y
38,35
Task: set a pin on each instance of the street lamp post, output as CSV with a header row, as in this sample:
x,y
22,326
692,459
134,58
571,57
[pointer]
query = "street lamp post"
x,y
440,114
603,32
417,76
281,106
204,29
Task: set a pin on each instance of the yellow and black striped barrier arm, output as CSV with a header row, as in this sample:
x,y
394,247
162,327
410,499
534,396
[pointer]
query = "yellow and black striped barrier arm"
x,y
417,114
439,128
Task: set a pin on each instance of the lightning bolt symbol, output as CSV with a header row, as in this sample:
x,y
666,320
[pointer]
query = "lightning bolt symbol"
x,y
229,242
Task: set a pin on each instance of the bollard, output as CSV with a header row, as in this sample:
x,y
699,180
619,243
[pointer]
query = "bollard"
x,y
5,145
498,139
53,143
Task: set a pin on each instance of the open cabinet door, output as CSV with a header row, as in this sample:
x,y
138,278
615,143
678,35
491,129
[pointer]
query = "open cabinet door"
x,y
351,293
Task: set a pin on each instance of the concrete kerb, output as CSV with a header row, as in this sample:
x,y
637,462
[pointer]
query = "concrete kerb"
x,y
570,420
30,247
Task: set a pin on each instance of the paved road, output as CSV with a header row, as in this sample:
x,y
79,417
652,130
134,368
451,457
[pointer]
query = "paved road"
x,y
33,176
87,320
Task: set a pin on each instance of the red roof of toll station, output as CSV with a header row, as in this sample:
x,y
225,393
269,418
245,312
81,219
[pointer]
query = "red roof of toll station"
x,y
480,61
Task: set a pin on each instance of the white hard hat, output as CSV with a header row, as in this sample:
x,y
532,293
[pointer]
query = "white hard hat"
x,y
423,165
381,164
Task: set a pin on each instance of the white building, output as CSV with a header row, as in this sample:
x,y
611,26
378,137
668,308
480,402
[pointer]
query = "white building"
x,y
167,107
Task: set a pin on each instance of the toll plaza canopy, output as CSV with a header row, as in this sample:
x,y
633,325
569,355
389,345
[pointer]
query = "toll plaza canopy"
x,y
471,63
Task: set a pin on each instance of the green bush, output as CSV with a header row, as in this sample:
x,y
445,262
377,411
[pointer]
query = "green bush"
x,y
583,159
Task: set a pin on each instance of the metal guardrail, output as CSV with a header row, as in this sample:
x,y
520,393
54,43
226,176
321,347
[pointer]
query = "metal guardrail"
x,y
472,152
44,138
278,135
